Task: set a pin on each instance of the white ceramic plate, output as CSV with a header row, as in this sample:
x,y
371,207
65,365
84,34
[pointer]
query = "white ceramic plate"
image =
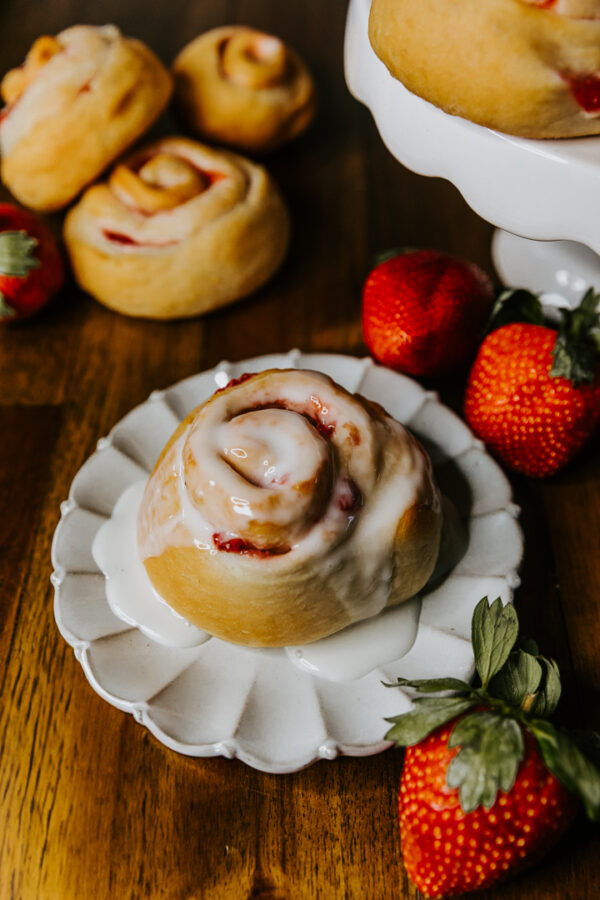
x,y
220,699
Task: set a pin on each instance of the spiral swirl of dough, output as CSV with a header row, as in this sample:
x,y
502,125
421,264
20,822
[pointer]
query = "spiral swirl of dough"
x,y
241,87
76,103
285,508
178,229
524,67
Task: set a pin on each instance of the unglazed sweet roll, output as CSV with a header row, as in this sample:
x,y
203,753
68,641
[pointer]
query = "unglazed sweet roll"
x,y
76,103
177,230
525,67
285,508
241,87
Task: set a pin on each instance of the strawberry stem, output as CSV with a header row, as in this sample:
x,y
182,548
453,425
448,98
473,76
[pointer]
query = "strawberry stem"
x,y
528,702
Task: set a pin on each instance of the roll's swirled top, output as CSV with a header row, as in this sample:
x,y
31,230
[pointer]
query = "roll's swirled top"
x,y
68,61
242,87
79,99
164,193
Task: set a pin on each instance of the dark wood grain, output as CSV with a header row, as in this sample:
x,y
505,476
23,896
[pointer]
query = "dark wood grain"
x,y
91,805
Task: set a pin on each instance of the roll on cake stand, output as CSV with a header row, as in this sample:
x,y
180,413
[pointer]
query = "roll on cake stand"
x,y
542,196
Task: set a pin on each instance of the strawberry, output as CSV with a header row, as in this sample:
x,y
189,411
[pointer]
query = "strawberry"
x,y
31,269
533,393
488,783
423,312
446,850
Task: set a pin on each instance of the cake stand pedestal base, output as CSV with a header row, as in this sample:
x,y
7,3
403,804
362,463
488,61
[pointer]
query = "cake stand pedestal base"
x,y
561,270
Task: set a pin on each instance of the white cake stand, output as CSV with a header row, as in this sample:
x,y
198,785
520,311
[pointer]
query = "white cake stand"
x,y
543,196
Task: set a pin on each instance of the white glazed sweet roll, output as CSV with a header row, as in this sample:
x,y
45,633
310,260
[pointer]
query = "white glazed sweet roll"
x,y
242,87
525,67
177,230
284,509
76,103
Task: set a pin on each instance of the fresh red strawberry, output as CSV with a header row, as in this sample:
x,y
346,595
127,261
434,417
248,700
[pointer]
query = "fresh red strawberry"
x,y
424,312
533,394
448,851
488,784
31,269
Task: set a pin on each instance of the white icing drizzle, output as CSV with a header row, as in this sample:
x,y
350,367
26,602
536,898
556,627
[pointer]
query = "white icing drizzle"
x,y
345,656
129,591
355,651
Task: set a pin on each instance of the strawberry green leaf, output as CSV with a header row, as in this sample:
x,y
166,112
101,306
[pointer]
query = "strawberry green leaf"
x,y
6,310
17,253
585,317
414,726
432,685
576,352
516,305
572,767
549,691
576,362
518,680
491,748
494,631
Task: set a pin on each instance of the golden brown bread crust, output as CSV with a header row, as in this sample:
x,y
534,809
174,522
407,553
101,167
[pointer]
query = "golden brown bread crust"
x,y
179,229
80,100
238,86
511,65
373,544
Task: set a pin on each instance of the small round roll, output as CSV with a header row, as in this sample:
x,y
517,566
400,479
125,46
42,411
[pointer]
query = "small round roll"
x,y
525,67
177,230
284,509
241,87
76,103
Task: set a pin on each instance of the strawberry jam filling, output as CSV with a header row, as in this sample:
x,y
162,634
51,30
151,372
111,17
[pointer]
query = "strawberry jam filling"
x,y
325,429
586,91
117,238
234,381
238,545
211,177
350,497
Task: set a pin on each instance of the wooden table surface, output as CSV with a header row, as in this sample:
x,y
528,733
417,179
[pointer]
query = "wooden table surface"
x,y
91,805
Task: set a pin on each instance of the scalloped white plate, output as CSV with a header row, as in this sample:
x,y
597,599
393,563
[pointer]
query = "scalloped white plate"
x,y
220,699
